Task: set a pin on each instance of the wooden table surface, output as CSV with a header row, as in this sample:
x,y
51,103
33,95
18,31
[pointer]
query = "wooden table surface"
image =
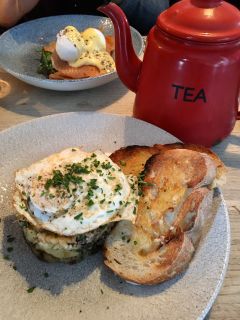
x,y
20,102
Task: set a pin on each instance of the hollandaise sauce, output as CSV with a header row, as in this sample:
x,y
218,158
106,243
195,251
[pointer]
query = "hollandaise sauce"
x,y
84,48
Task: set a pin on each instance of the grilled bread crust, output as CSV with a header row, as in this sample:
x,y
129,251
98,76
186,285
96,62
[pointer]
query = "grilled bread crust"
x,y
220,167
175,203
132,159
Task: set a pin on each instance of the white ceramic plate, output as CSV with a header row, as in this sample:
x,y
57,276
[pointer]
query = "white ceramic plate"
x,y
19,49
88,290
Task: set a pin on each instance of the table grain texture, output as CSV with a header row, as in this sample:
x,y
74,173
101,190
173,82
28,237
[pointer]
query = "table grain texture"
x,y
20,102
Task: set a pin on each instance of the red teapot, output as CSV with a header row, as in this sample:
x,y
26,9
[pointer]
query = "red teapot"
x,y
189,81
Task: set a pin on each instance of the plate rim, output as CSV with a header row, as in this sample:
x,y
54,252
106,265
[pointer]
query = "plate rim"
x,y
226,260
36,119
222,275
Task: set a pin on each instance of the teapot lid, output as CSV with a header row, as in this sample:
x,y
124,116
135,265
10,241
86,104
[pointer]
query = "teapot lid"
x,y
202,20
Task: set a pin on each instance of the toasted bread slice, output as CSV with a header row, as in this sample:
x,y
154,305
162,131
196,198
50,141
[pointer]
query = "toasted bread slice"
x,y
125,258
132,159
169,177
175,203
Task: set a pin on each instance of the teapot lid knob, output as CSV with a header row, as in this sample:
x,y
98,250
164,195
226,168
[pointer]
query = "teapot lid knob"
x,y
201,20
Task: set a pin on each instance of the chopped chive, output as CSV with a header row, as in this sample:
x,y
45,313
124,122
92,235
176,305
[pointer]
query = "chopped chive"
x,y
122,163
118,188
106,165
10,239
30,290
90,202
79,216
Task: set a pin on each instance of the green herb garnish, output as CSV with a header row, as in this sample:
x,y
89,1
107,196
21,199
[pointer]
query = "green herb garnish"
x,y
10,238
142,183
92,184
78,217
118,188
122,163
63,180
106,165
30,290
46,66
96,163
90,202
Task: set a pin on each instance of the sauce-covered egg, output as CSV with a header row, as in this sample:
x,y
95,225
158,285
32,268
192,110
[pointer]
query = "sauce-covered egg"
x,y
84,48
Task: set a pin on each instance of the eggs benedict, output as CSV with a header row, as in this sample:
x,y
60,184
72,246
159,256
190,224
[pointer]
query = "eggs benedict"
x,y
80,54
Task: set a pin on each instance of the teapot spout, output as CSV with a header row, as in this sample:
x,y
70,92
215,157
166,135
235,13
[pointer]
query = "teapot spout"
x,y
127,63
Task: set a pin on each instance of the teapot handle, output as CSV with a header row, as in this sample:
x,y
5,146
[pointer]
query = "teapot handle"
x,y
238,112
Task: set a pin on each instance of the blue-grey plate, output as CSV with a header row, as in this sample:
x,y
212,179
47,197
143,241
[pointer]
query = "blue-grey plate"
x,y
88,290
19,49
